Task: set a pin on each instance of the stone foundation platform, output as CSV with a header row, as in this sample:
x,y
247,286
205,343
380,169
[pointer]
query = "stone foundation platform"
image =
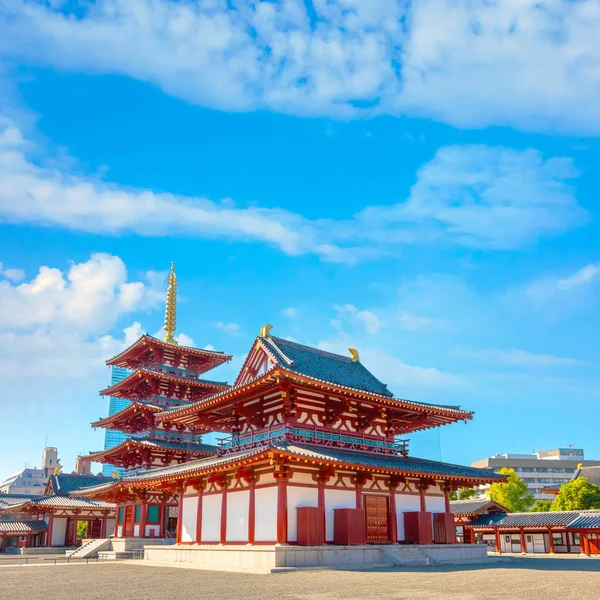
x,y
274,558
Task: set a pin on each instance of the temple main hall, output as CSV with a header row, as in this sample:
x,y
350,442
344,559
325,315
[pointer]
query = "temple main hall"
x,y
313,452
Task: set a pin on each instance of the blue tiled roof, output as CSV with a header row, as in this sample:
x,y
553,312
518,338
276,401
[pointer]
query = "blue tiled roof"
x,y
65,484
383,461
469,507
169,445
7,500
589,520
531,519
324,365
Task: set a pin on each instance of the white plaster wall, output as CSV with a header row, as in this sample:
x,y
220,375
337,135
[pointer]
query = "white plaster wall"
x,y
152,530
336,499
265,519
302,478
136,531
59,531
238,504
435,504
189,518
110,527
211,518
120,531
266,478
405,503
299,496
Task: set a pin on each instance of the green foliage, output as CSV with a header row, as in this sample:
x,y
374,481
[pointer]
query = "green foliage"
x,y
82,529
466,493
513,495
462,494
542,506
578,494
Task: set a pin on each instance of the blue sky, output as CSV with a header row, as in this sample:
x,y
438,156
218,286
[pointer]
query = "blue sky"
x,y
416,180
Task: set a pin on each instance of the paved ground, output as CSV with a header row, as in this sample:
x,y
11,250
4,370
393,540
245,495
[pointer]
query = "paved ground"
x,y
518,578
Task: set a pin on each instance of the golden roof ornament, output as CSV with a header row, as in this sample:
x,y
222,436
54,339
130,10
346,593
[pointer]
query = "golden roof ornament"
x,y
171,307
354,354
265,330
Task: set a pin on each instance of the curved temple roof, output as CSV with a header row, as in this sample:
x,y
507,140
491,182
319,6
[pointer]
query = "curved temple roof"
x,y
130,357
404,466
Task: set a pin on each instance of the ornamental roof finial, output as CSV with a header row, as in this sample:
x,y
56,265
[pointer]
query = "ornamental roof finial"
x,y
354,354
265,330
171,307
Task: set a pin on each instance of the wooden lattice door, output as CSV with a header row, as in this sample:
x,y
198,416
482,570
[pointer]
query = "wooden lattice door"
x,y
128,529
377,515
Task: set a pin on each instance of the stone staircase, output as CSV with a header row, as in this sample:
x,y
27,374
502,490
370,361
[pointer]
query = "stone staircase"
x,y
407,556
90,549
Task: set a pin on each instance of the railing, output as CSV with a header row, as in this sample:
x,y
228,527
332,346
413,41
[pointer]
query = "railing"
x,y
316,435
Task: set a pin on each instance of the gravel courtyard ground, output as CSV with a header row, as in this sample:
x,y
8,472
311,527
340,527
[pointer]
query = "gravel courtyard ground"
x,y
518,578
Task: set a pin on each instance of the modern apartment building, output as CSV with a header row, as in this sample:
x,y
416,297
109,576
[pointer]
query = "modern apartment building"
x,y
539,469
31,481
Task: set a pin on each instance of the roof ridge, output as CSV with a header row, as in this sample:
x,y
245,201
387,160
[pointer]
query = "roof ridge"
x,y
312,349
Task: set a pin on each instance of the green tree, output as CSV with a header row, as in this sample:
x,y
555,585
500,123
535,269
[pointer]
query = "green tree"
x,y
514,494
542,506
82,529
462,494
578,494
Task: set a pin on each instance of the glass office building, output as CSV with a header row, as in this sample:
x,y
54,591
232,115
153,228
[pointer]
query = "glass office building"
x,y
114,438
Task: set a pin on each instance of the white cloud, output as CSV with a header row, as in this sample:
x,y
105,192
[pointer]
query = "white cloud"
x,y
53,327
474,196
560,291
12,274
402,379
291,313
480,196
518,357
584,275
413,322
230,328
367,318
524,63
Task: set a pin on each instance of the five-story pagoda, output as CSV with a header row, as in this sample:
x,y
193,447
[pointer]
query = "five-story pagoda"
x,y
164,376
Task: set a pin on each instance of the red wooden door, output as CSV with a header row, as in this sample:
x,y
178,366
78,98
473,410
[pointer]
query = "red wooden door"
x,y
128,527
377,516
94,529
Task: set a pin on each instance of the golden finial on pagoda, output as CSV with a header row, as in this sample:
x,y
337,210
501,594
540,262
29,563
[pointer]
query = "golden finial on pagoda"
x,y
354,354
171,307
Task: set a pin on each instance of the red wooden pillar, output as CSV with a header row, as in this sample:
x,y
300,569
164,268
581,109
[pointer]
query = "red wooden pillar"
x,y
3,544
49,532
423,504
103,527
393,517
583,539
199,515
550,540
180,514
498,545
224,514
359,496
251,512
568,536
73,537
321,497
282,516
162,518
143,518
523,543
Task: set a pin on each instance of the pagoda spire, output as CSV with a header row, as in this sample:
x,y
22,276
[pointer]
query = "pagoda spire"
x,y
171,307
